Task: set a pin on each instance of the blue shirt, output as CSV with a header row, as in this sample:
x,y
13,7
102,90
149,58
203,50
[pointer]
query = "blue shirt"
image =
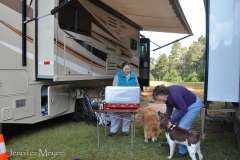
x,y
121,80
180,98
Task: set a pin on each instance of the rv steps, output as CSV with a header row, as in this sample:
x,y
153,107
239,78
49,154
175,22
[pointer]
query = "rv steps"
x,y
222,109
222,117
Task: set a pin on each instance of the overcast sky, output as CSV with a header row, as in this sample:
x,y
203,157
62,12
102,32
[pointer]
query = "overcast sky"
x,y
195,13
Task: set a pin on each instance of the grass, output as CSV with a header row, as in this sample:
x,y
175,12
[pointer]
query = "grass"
x,y
60,138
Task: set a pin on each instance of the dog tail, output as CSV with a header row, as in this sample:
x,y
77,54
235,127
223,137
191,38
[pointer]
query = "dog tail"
x,y
201,137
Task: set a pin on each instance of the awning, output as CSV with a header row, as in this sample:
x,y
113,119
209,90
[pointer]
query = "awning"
x,y
153,15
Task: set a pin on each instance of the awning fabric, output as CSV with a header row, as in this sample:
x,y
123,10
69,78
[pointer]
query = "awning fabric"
x,y
153,15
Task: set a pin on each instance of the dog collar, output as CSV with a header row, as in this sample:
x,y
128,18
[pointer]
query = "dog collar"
x,y
172,127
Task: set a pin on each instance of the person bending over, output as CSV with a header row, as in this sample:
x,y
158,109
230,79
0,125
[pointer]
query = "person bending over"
x,y
187,106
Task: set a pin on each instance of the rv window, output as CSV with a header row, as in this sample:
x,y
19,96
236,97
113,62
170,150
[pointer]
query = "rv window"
x,y
75,17
84,21
133,44
143,50
68,20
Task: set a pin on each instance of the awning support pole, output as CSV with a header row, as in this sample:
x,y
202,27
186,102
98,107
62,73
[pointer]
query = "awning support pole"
x,y
172,42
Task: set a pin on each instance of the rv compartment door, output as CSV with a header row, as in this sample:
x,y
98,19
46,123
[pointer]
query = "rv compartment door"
x,y
58,99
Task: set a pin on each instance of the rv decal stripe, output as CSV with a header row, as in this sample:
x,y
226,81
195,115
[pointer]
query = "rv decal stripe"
x,y
30,39
60,44
78,55
103,28
96,39
99,19
29,55
59,59
124,52
134,65
100,54
88,47
84,45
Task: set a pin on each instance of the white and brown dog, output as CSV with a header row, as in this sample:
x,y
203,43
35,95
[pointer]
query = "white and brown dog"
x,y
151,123
176,135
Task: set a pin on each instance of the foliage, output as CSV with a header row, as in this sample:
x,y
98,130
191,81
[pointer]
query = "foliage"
x,y
179,79
152,68
172,76
151,77
193,77
161,67
174,56
201,75
182,63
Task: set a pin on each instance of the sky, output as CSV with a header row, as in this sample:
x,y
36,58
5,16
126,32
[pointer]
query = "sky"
x,y
195,14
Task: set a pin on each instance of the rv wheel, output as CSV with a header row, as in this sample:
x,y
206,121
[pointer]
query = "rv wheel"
x,y
79,113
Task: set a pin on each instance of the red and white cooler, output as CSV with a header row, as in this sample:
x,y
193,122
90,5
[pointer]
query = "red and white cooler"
x,y
122,97
122,106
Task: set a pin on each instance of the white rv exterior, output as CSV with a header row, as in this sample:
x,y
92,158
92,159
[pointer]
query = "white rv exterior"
x,y
59,58
45,59
224,49
74,56
222,76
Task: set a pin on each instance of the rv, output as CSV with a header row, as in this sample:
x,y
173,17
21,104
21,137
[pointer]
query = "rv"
x,y
51,49
222,70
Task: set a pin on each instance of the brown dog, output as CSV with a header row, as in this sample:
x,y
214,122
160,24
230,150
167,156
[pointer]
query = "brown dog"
x,y
151,124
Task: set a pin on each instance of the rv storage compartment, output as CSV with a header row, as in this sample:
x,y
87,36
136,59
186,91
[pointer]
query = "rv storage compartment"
x,y
55,99
122,95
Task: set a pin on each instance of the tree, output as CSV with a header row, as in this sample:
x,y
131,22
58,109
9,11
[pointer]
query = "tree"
x,y
201,75
171,76
176,58
152,68
182,63
161,66
195,59
193,77
182,72
151,77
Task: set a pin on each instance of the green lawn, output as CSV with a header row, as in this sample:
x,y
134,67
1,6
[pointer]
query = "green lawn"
x,y
61,138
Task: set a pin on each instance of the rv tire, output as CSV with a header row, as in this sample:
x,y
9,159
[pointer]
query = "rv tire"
x,y
79,114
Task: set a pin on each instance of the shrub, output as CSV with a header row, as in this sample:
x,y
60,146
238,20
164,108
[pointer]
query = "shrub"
x,y
193,77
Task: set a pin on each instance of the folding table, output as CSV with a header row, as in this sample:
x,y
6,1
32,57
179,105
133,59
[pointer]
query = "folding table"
x,y
123,110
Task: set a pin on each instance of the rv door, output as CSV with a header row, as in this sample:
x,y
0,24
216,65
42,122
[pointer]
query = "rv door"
x,y
144,67
64,53
58,99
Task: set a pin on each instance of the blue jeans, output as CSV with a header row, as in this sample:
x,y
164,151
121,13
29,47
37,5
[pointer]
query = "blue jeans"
x,y
187,120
